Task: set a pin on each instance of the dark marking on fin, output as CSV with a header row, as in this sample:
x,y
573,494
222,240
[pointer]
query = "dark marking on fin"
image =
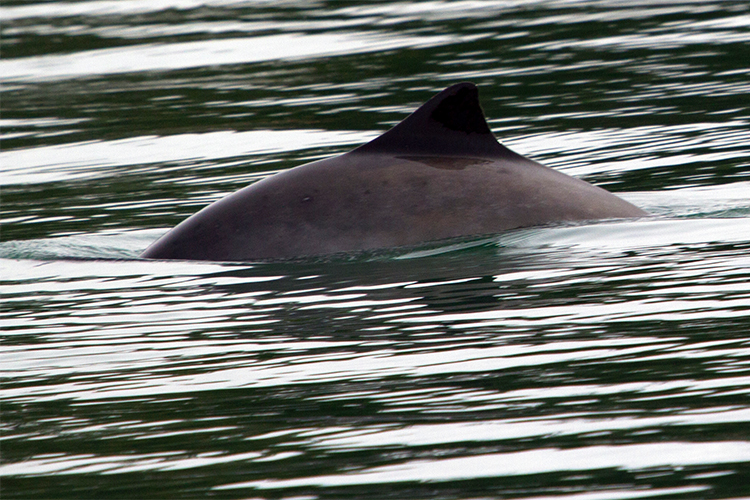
x,y
462,112
450,124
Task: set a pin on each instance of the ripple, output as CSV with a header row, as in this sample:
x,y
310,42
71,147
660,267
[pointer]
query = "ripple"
x,y
93,8
583,362
627,457
91,159
184,55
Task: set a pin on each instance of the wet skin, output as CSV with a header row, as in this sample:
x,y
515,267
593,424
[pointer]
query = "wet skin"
x,y
438,174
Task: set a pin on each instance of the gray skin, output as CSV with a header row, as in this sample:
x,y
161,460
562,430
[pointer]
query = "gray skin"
x,y
438,174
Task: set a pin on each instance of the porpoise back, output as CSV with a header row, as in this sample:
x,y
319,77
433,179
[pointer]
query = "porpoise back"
x,y
438,174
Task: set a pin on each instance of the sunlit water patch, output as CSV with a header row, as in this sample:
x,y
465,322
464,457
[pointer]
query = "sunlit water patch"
x,y
82,160
198,54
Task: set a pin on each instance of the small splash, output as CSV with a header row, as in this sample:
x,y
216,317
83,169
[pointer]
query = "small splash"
x,y
115,245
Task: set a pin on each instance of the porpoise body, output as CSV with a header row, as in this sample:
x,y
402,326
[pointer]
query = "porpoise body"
x,y
438,174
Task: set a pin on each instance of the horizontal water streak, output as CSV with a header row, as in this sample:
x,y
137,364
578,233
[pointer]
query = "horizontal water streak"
x,y
93,8
342,439
541,461
187,55
297,367
85,160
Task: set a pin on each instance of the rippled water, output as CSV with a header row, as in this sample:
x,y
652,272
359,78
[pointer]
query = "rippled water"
x,y
597,361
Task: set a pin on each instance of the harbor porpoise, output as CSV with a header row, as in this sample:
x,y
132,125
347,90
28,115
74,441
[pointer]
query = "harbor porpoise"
x,y
438,174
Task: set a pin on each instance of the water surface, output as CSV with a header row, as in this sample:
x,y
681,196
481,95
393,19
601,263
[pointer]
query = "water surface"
x,y
594,361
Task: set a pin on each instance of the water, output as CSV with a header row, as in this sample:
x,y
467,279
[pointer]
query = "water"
x,y
596,361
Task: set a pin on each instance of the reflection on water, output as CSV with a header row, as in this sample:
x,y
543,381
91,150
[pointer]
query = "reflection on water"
x,y
184,55
476,364
81,160
593,361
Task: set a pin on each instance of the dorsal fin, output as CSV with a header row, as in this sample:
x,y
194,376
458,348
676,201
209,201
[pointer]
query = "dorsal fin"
x,y
450,124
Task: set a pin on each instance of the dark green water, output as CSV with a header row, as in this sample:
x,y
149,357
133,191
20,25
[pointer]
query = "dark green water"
x,y
594,362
